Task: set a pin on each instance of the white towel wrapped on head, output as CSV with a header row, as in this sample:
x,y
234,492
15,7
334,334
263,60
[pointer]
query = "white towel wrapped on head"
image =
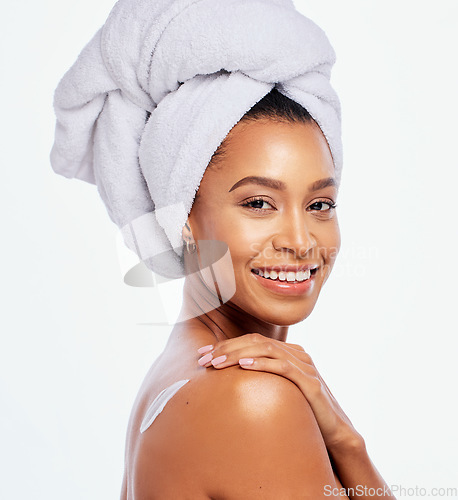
x,y
158,88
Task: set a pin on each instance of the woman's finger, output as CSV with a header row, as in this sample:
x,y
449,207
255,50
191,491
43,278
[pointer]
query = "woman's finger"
x,y
224,357
225,346
284,367
250,355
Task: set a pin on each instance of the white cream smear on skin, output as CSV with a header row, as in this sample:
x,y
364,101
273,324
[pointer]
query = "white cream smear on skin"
x,y
159,403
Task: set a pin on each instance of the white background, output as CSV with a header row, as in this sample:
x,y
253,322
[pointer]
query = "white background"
x,y
73,346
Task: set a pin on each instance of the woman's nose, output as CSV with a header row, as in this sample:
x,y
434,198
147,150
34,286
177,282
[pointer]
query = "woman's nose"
x,y
293,234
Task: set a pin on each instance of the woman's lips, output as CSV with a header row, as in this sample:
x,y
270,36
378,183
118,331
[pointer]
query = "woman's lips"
x,y
302,283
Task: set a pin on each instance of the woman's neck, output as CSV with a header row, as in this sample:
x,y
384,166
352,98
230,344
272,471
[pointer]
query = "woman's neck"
x,y
223,321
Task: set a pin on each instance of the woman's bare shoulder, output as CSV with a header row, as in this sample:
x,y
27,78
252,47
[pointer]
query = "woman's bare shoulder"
x,y
235,434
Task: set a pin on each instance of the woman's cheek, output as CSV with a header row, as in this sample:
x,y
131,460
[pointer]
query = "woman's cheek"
x,y
330,245
336,239
253,240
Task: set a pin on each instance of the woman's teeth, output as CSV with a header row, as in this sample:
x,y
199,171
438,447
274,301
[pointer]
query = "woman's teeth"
x,y
284,276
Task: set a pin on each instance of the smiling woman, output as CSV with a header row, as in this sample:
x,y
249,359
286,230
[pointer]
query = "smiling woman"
x,y
252,418
195,132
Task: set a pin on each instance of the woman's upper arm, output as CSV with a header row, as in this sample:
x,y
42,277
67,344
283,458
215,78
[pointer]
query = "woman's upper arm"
x,y
239,435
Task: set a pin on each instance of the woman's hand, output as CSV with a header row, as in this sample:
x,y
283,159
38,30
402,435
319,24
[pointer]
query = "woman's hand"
x,y
254,351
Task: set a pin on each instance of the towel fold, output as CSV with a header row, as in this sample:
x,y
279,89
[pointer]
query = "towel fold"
x,y
158,88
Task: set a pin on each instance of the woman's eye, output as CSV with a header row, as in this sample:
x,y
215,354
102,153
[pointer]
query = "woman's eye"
x,y
258,204
322,206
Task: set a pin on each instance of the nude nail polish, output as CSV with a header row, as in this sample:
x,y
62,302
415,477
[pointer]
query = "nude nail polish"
x,y
205,359
219,360
204,349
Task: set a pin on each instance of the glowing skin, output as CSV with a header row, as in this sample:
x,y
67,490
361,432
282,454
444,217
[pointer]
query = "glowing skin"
x,y
282,223
159,403
290,222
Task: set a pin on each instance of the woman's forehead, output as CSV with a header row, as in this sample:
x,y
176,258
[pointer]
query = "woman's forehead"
x,y
272,149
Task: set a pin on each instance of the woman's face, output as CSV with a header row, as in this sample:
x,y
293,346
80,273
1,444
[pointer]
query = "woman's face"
x,y
270,199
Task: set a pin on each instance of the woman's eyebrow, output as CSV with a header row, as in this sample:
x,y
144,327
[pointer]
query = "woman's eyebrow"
x,y
322,183
281,186
263,181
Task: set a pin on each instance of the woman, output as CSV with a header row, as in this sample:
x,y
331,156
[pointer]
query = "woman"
x,y
269,194
199,129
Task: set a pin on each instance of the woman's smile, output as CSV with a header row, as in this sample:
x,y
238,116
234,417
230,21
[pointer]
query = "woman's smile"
x,y
286,282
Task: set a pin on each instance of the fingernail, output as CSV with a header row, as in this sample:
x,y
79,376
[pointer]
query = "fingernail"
x,y
219,360
246,361
205,359
204,349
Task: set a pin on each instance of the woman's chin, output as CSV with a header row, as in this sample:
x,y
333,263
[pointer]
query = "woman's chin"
x,y
291,320
285,316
